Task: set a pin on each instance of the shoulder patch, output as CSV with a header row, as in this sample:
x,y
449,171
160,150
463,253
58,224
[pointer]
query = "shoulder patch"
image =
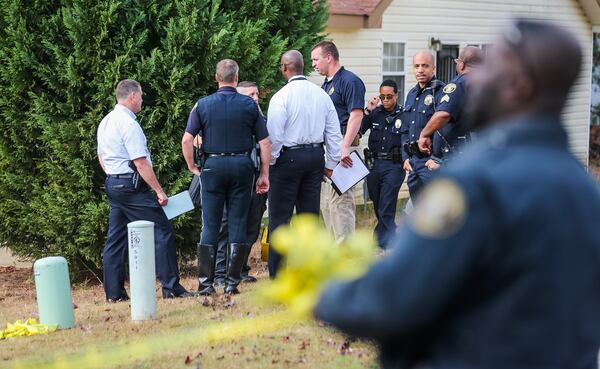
x,y
428,99
440,211
445,98
449,88
331,91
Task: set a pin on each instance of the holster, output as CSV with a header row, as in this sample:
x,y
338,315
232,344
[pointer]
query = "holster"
x,y
369,159
136,179
199,157
255,155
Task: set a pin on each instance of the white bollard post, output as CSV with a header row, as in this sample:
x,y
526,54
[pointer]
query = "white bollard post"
x,y
142,270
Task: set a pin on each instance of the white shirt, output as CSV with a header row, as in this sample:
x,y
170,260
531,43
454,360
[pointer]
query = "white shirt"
x,y
120,139
302,113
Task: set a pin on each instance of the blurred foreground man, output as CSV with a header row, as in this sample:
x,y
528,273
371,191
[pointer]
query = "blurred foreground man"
x,y
488,272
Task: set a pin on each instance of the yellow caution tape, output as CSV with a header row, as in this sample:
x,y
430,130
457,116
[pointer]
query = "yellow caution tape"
x,y
312,259
30,327
111,356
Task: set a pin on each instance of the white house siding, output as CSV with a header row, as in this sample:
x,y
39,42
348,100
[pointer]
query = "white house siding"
x,y
465,22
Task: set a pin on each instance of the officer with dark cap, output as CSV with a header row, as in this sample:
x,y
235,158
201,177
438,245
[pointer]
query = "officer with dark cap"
x,y
447,122
227,121
488,272
419,108
384,118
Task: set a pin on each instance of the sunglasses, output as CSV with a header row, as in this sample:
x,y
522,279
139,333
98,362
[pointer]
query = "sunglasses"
x,y
386,97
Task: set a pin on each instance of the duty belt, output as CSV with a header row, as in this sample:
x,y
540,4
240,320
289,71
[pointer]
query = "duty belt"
x,y
383,155
210,155
302,146
124,175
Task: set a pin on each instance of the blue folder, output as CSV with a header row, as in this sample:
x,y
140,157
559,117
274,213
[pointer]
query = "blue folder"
x,y
178,204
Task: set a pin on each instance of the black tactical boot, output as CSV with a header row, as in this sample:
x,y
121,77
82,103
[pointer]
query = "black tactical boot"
x,y
207,256
235,261
247,278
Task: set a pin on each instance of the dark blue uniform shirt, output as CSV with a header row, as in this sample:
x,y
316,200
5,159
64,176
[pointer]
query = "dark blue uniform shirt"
x,y
503,274
218,118
347,92
452,100
419,107
385,126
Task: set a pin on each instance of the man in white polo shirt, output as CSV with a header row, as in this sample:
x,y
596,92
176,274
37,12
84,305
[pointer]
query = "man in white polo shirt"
x,y
125,159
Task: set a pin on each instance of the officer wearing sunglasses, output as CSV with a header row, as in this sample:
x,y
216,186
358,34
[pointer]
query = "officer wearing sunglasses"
x,y
384,118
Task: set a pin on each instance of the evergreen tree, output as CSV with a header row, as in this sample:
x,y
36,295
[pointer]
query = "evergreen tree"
x,y
59,64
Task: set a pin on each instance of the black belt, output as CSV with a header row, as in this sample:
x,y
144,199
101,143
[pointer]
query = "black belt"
x,y
210,155
124,175
302,146
383,155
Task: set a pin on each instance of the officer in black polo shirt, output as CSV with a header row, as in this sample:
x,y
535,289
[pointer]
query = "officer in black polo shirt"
x,y
385,118
347,91
227,120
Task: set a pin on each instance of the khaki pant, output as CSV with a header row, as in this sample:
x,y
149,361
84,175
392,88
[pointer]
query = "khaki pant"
x,y
338,211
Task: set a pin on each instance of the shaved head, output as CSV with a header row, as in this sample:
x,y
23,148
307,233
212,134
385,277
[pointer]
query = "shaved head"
x,y
293,61
423,67
471,55
524,73
427,55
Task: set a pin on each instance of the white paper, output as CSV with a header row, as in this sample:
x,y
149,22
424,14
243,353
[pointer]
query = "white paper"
x,y
344,178
178,204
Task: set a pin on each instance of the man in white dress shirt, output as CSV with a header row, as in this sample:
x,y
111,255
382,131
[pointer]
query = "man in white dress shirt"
x,y
301,119
125,159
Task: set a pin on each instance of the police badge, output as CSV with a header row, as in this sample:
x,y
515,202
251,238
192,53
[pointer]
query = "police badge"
x,y
331,90
398,124
428,100
449,88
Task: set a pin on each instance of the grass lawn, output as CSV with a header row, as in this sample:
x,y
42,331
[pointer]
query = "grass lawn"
x,y
172,340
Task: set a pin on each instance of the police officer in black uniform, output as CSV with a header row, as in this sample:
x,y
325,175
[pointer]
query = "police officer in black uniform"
x,y
258,205
418,108
227,121
496,276
447,123
384,118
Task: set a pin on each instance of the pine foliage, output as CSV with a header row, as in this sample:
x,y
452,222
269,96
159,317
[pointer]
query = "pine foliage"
x,y
59,64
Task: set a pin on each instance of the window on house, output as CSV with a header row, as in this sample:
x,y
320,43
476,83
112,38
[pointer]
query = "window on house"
x,y
393,65
445,67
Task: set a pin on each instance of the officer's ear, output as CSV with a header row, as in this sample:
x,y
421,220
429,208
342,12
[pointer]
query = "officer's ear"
x,y
518,89
217,78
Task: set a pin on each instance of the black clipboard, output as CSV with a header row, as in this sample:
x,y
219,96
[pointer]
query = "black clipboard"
x,y
336,188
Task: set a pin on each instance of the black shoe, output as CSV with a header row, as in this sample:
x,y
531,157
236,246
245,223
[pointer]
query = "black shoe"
x,y
118,299
177,293
207,258
247,278
235,262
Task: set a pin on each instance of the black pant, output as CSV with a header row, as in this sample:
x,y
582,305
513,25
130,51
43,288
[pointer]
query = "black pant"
x,y
295,180
128,205
384,183
258,204
226,183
